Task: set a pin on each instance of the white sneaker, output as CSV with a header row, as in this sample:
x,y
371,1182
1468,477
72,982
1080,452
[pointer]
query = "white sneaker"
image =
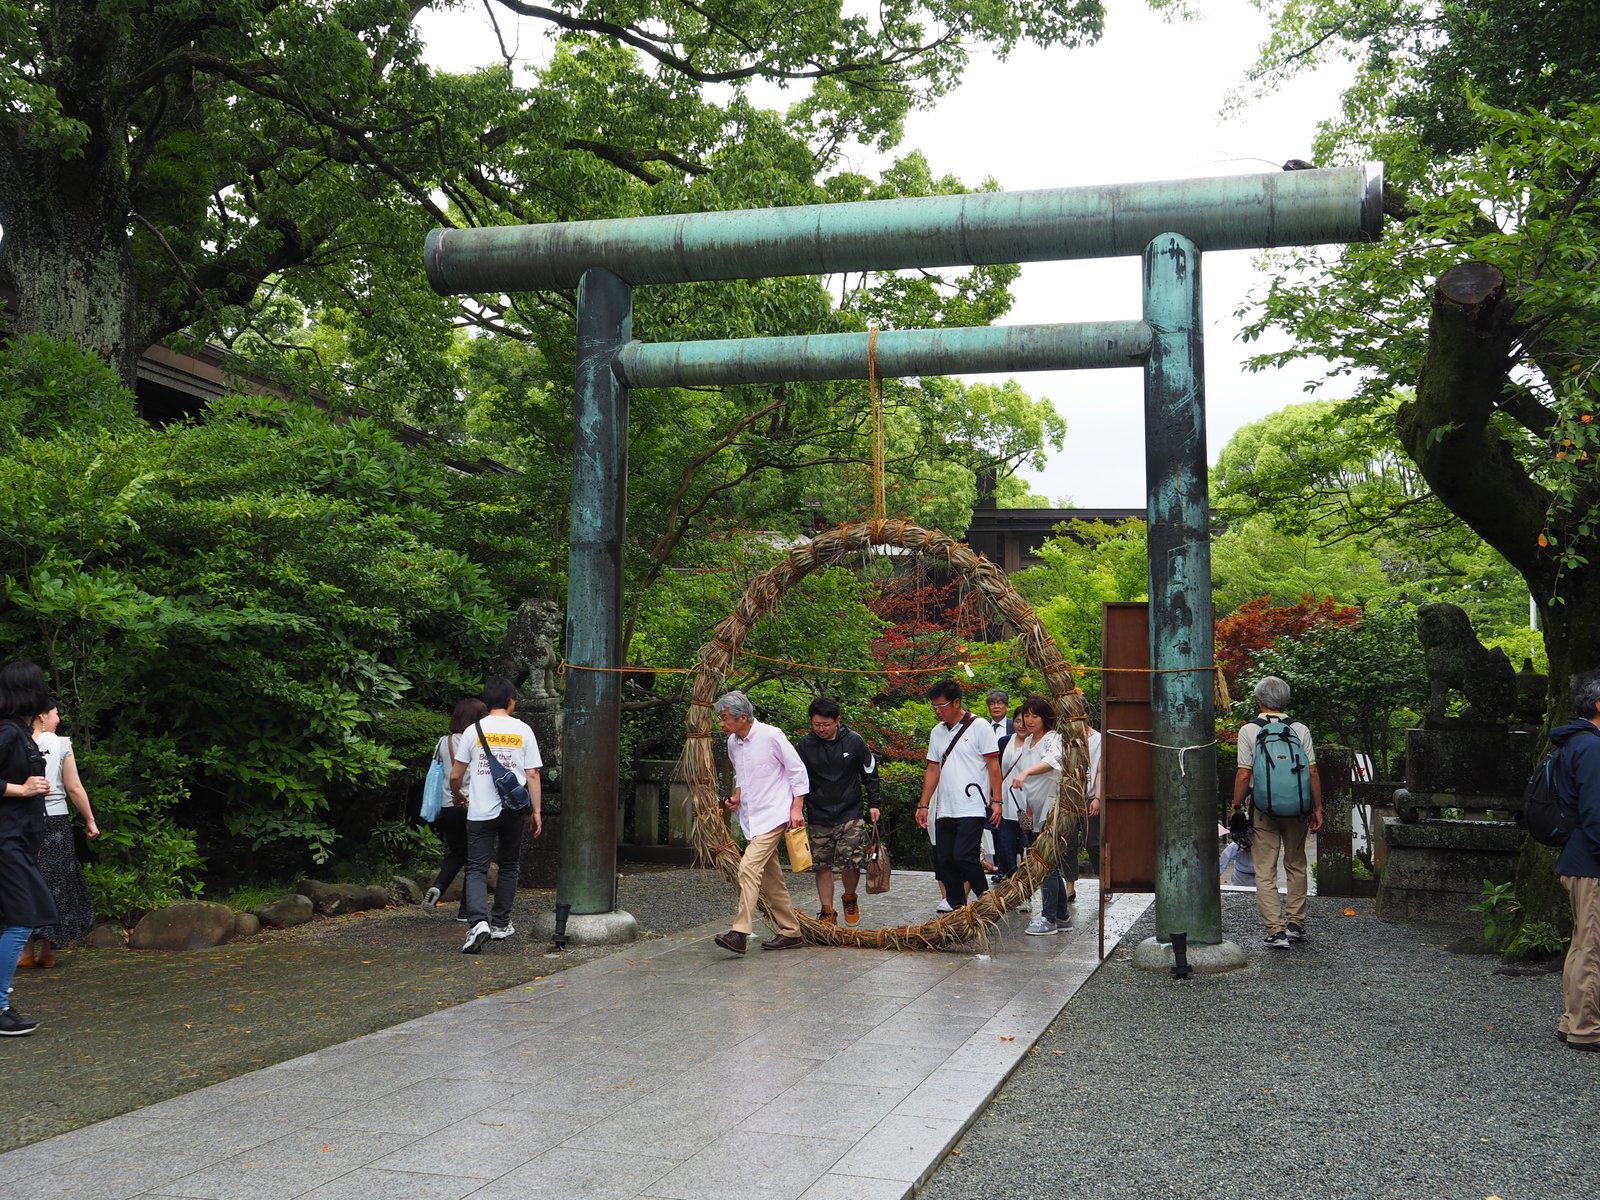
x,y
1039,927
476,937
944,907
430,898
500,932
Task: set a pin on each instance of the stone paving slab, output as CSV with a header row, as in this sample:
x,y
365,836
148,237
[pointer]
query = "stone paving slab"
x,y
671,1071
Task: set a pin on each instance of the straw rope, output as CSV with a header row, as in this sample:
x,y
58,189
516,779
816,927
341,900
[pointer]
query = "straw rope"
x,y
714,846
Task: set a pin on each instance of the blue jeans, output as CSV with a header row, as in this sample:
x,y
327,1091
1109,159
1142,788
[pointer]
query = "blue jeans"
x,y
1053,898
12,939
499,839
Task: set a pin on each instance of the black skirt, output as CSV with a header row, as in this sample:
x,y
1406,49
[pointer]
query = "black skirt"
x,y
63,874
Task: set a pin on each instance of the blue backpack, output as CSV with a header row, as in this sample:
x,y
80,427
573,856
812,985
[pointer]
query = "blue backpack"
x,y
1280,776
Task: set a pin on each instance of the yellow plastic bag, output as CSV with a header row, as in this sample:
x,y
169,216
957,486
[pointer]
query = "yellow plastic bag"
x,y
799,847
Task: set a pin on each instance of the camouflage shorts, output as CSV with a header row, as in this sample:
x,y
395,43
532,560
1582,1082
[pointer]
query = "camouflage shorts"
x,y
839,845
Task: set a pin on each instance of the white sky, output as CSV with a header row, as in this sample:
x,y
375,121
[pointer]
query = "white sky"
x,y
1141,104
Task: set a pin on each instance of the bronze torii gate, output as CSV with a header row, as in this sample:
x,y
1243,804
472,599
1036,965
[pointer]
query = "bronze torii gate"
x,y
1167,223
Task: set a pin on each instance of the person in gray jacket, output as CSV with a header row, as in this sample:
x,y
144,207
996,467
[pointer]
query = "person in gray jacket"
x,y
844,775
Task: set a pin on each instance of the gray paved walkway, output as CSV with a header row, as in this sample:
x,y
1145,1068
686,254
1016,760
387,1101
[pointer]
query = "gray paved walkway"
x,y
671,1069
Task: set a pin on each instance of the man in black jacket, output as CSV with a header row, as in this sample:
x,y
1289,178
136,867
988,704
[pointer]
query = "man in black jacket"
x,y
841,768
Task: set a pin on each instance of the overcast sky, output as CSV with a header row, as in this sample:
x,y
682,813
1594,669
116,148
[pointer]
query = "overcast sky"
x,y
1142,104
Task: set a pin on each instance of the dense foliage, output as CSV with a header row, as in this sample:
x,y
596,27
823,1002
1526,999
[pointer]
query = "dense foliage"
x,y
236,614
1475,308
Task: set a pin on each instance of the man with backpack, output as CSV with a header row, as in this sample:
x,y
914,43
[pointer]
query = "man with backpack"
x,y
1577,785
1278,775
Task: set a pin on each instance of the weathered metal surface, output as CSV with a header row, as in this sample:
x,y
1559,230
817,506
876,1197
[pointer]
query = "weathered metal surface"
x,y
1188,895
588,874
1233,212
898,353
1168,223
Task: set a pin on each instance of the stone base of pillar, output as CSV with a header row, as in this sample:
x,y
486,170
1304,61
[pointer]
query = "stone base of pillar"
x,y
1151,955
590,929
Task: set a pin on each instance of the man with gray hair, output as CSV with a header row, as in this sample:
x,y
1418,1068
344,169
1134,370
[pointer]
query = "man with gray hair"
x,y
1277,772
769,796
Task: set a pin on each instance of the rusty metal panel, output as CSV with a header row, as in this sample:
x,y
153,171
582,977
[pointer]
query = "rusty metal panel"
x,y
1128,814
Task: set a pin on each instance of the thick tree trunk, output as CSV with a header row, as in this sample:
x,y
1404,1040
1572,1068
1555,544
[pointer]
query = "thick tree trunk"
x,y
64,204
74,280
1450,433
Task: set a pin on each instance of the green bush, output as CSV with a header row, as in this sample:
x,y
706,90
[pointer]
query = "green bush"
x,y
909,848
256,622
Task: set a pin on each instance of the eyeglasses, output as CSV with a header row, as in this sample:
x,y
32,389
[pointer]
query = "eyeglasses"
x,y
938,704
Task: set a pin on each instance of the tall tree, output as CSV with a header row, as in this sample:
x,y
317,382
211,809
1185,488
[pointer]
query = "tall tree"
x,y
165,165
1487,114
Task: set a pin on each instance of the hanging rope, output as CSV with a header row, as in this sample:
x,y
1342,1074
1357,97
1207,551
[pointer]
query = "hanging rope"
x,y
880,504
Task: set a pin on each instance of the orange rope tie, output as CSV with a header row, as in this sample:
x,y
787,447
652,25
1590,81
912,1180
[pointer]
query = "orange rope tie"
x,y
946,668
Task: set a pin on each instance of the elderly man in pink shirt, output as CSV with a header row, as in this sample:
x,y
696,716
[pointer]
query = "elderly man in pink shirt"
x,y
769,796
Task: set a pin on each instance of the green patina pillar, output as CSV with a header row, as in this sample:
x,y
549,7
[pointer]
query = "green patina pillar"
x,y
1188,894
588,874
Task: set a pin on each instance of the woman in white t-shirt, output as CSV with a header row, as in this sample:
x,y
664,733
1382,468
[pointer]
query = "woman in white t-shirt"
x,y
58,857
1031,769
451,823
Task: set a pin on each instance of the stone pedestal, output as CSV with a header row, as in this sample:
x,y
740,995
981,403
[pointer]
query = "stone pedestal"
x,y
590,929
1434,867
1151,955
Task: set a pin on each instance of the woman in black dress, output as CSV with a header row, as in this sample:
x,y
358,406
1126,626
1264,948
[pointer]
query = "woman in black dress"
x,y
25,901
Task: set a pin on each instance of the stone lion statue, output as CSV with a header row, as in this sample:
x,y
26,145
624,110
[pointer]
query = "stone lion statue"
x,y
527,654
1457,661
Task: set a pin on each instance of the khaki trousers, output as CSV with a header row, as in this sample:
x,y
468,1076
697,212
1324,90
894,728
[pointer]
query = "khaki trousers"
x,y
760,878
1580,974
1274,836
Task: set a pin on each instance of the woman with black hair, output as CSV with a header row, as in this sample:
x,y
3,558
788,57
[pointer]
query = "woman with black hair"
x,y
451,822
25,900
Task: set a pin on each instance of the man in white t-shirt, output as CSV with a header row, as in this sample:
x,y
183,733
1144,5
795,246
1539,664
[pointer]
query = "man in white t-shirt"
x,y
492,830
960,792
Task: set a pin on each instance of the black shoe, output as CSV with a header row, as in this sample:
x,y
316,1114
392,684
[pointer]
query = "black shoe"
x,y
1297,933
782,942
1560,1037
13,1025
732,940
1591,1047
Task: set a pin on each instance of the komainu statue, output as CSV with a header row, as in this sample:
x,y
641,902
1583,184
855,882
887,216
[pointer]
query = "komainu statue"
x,y
527,653
1457,661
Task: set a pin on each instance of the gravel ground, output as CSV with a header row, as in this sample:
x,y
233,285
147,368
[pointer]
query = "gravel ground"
x,y
1369,1062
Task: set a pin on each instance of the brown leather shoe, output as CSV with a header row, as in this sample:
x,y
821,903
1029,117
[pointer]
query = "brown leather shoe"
x,y
45,956
732,940
852,910
782,942
26,961
827,917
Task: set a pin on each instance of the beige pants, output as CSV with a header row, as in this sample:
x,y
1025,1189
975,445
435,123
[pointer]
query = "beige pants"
x,y
1274,836
761,880
1580,974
